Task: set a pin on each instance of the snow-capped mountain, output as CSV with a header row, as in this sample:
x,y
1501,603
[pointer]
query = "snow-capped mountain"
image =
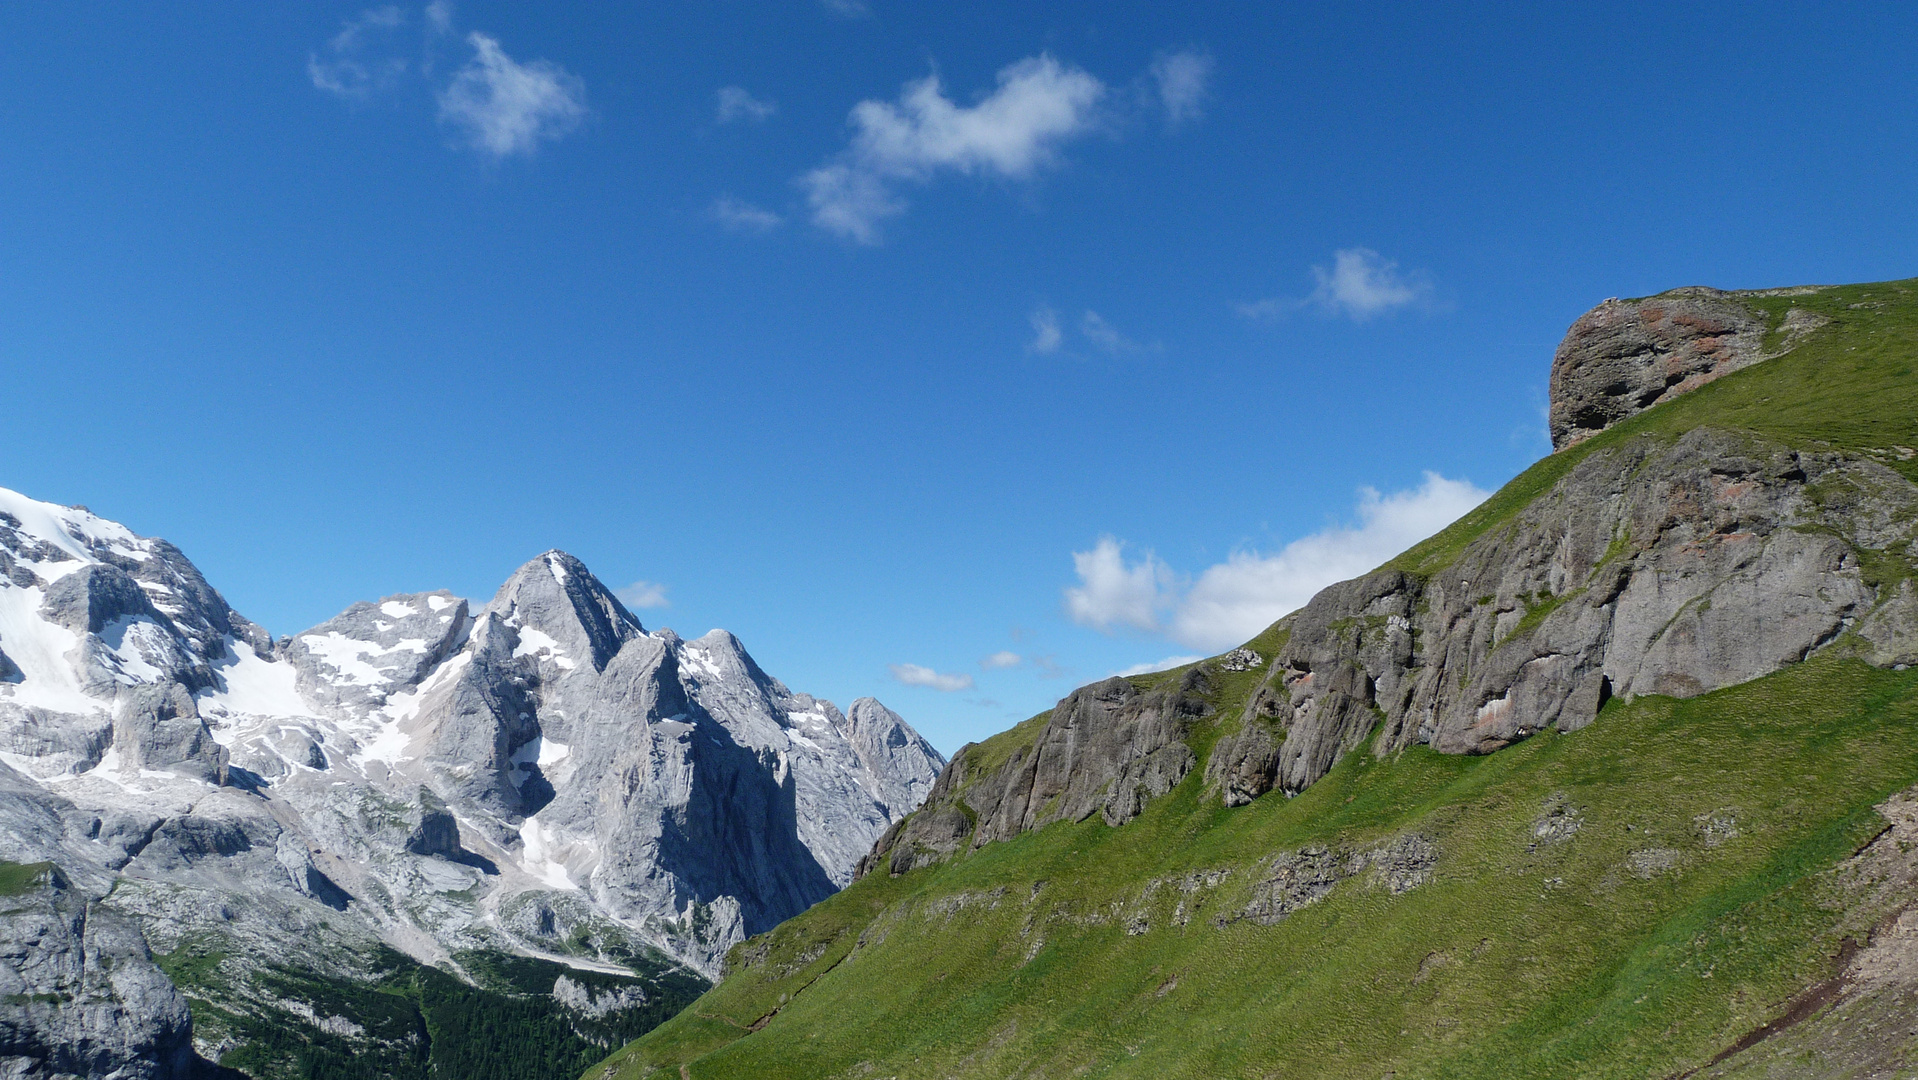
x,y
541,775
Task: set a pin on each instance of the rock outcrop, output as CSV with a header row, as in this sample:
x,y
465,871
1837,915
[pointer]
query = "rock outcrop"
x,y
82,997
1650,568
1623,357
1108,748
1658,565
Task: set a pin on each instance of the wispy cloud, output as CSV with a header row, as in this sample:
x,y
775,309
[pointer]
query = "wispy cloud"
x,y
1106,336
644,594
915,675
1232,601
1050,668
1010,133
504,107
1183,79
736,104
358,60
1269,308
1360,284
498,105
1046,335
1001,660
847,9
744,216
1166,664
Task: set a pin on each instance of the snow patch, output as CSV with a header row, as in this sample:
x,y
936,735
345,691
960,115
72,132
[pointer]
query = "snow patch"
x,y
68,528
388,747
132,641
398,610
700,661
38,648
440,603
540,845
254,686
347,656
533,642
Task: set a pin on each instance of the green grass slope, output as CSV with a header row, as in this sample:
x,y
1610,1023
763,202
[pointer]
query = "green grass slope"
x,y
1630,900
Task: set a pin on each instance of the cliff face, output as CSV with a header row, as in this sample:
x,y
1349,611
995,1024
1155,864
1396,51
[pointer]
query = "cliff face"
x,y
1108,748
1649,569
1652,564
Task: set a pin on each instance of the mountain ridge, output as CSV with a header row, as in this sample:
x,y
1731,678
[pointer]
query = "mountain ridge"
x,y
413,784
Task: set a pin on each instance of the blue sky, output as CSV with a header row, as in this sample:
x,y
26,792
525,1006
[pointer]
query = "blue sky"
x,y
990,347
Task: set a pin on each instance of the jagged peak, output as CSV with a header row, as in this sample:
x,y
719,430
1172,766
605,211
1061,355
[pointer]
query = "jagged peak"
x,y
555,594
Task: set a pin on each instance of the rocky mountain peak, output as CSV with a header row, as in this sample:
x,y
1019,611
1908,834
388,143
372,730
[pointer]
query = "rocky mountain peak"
x,y
540,776
558,606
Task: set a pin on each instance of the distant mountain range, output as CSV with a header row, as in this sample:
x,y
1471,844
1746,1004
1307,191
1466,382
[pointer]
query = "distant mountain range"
x,y
538,792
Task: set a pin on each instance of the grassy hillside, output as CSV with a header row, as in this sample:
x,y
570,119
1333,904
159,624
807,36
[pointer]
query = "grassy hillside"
x,y
1625,901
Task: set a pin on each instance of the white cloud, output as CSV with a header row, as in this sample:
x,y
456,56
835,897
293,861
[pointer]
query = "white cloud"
x,y
1236,599
439,16
1010,133
347,69
1361,285
1166,664
744,216
1182,77
1045,331
1001,659
914,675
505,107
1106,336
1232,601
847,9
850,201
736,104
1110,593
644,594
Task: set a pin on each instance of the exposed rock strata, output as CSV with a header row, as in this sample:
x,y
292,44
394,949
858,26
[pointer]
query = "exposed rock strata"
x,y
82,995
1107,748
1650,568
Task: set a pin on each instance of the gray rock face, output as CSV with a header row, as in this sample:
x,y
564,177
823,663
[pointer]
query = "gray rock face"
x,y
1649,569
79,995
897,759
1107,748
541,775
365,654
1623,357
